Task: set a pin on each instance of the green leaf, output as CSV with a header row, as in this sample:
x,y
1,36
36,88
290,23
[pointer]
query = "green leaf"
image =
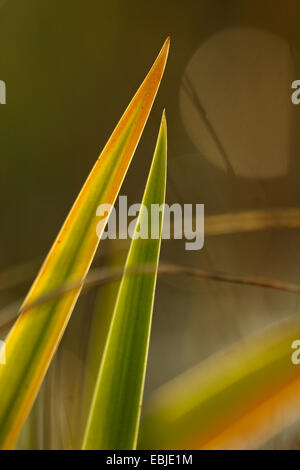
x,y
115,412
35,336
99,328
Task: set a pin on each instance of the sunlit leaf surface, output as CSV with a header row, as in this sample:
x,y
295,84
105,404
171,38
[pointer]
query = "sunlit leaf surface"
x,y
37,332
115,412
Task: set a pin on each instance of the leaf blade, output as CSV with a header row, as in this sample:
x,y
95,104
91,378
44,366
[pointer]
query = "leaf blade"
x,y
115,412
34,338
232,400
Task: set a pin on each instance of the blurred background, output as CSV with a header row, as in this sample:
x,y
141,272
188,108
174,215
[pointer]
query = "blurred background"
x,y
71,67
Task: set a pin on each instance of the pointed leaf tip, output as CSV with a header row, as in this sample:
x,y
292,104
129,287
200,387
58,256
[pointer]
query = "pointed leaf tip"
x,y
35,336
